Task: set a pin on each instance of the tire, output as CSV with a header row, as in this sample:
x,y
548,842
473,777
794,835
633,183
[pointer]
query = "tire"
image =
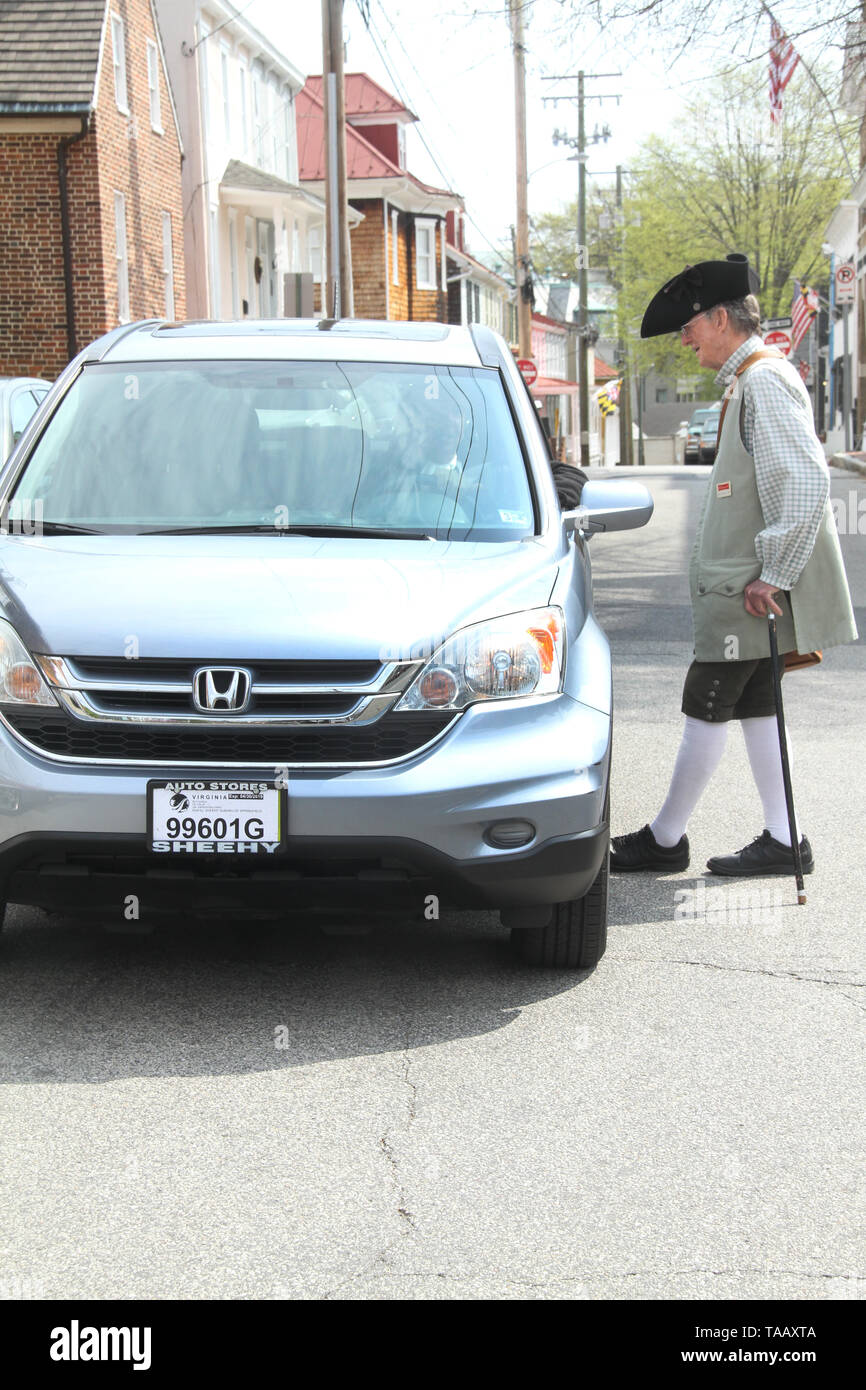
x,y
575,938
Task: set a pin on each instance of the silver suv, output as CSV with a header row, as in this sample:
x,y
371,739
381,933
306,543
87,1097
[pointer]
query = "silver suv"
x,y
292,618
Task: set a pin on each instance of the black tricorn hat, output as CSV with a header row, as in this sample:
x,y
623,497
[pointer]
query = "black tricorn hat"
x,y
695,289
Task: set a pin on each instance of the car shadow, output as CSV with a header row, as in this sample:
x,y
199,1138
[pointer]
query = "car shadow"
x,y
206,998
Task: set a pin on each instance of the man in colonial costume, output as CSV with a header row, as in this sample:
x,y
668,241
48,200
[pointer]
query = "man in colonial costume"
x,y
766,542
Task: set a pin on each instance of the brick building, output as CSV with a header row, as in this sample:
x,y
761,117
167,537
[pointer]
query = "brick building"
x,y
91,214
399,255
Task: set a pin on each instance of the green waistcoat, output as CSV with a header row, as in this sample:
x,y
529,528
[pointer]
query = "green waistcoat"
x,y
817,611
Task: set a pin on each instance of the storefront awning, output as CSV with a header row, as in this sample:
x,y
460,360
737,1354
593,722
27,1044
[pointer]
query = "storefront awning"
x,y
549,386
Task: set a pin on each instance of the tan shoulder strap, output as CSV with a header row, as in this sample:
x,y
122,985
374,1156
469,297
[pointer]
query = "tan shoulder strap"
x,y
744,366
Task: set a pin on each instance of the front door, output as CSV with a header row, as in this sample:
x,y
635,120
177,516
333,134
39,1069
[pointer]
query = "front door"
x,y
266,254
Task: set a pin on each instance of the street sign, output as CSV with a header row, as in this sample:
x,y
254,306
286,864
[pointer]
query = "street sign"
x,y
776,323
778,338
528,369
846,279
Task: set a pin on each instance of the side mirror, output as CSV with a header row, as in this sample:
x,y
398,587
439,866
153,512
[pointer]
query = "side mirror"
x,y
610,505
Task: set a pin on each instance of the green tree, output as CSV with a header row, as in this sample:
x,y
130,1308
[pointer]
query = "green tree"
x,y
726,180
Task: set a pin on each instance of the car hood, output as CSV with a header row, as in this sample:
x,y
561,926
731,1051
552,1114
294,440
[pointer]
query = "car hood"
x,y
247,597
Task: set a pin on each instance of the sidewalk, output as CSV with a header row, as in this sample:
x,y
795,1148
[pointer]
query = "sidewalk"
x,y
855,463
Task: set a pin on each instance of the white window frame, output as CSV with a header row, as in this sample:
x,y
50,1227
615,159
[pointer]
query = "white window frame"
x,y
395,247
118,55
245,122
275,103
204,87
425,224
444,257
288,127
258,120
121,256
168,264
153,86
225,79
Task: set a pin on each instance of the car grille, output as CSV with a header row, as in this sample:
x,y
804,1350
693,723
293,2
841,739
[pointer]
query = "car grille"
x,y
391,737
287,712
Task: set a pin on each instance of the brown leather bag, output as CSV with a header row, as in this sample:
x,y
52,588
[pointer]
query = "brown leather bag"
x,y
796,661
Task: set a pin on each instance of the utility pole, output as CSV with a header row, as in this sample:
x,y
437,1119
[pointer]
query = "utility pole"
x,y
625,439
524,286
582,248
641,389
338,282
583,266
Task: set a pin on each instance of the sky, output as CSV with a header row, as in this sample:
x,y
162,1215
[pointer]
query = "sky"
x,y
450,61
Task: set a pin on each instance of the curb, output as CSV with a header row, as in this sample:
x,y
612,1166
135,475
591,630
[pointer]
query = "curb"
x,y
853,463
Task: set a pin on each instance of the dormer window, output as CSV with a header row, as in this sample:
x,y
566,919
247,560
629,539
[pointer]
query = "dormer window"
x,y
401,147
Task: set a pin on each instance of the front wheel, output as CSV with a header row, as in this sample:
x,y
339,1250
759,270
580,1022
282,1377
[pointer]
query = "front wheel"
x,y
576,935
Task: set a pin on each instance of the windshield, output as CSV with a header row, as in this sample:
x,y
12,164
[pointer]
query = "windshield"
x,y
425,450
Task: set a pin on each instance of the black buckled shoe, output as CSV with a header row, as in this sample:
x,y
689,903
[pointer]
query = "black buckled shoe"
x,y
629,854
763,856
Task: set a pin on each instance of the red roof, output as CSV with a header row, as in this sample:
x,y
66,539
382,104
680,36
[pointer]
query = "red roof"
x,y
552,386
604,372
363,160
364,97
548,322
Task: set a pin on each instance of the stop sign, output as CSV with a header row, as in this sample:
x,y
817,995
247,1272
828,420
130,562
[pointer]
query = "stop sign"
x,y
528,369
779,339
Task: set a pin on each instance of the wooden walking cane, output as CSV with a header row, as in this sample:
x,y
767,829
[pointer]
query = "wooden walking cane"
x,y
783,749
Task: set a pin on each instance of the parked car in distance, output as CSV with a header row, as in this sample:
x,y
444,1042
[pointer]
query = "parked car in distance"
x,y
693,435
709,436
305,627
19,397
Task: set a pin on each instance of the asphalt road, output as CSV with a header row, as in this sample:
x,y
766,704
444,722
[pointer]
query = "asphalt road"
x,y
439,1123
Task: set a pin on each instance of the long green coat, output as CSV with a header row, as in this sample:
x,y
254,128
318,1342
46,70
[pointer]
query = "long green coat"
x,y
817,612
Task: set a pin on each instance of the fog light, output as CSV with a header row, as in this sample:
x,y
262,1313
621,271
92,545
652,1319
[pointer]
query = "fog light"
x,y
510,834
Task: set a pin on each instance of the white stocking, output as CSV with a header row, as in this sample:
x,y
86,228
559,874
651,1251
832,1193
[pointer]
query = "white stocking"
x,y
700,753
762,745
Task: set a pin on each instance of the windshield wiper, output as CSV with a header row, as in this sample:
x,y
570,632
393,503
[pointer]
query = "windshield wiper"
x,y
367,532
56,528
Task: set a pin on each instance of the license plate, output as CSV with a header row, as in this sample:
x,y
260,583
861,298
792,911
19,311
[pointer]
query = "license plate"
x,y
219,817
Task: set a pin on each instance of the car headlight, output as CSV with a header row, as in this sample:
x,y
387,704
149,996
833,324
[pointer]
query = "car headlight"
x,y
500,659
21,681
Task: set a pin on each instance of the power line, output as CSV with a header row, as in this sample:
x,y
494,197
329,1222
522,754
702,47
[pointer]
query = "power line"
x,y
378,42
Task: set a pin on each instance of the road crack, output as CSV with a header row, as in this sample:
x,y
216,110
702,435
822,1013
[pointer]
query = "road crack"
x,y
740,970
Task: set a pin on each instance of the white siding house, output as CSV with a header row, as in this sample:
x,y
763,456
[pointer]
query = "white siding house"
x,y
247,223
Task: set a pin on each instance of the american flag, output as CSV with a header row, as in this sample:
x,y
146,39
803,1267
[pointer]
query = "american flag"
x,y
783,60
803,310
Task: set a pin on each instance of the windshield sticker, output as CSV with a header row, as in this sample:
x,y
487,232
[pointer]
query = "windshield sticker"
x,y
514,518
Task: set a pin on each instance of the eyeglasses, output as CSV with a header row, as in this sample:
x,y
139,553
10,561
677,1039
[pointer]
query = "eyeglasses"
x,y
686,326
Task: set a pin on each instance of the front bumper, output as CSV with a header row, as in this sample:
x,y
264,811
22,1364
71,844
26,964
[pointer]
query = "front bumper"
x,y
75,838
